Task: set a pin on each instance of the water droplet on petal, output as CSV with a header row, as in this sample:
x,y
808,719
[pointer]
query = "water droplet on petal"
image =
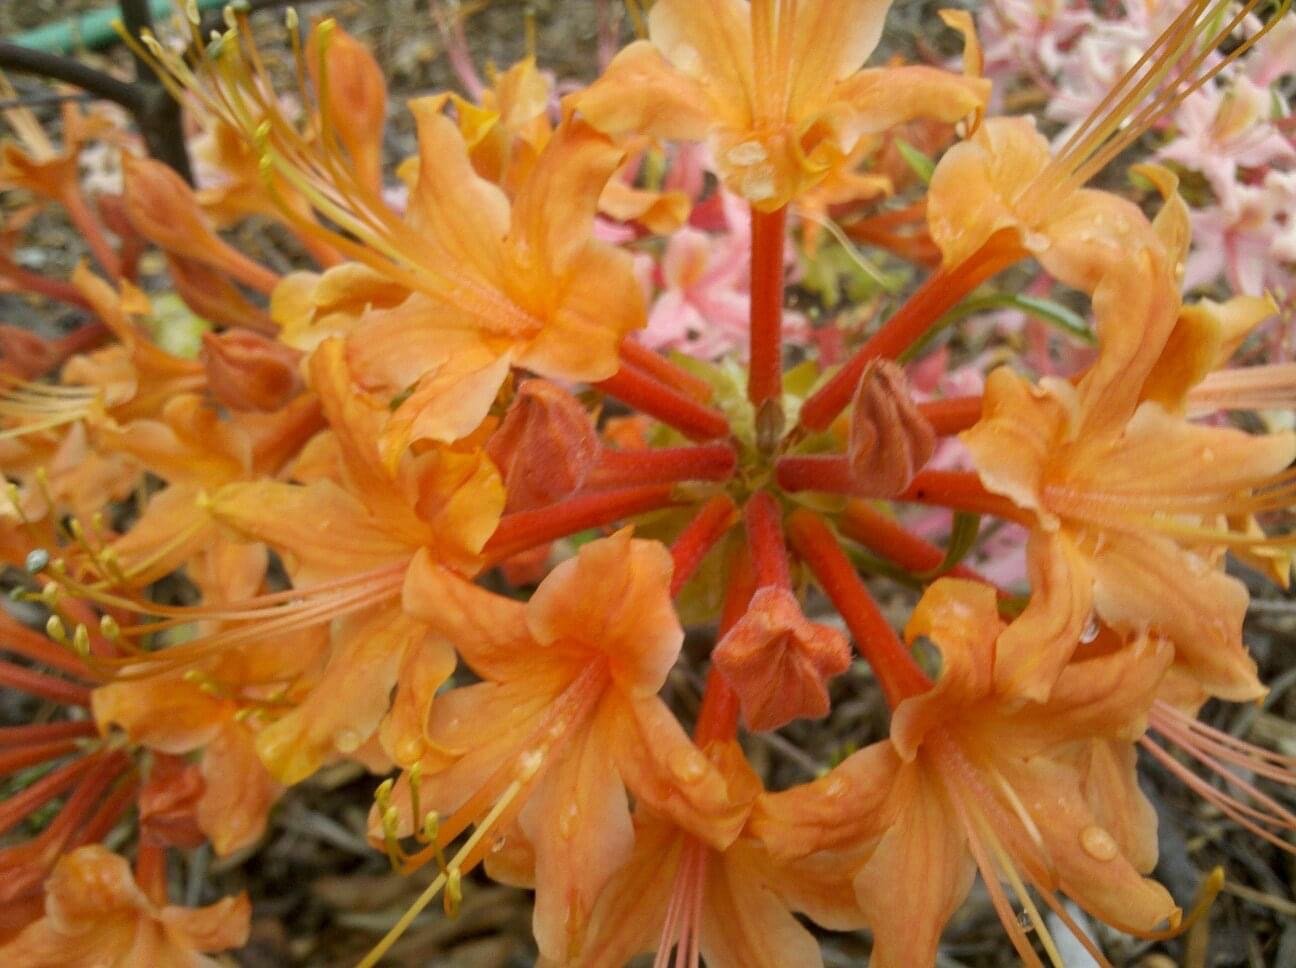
x,y
836,788
1207,455
347,740
1091,629
747,153
567,821
688,765
1036,242
1098,843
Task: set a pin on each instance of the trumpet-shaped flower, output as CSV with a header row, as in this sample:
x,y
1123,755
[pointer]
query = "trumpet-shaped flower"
x,y
972,779
95,914
776,88
565,723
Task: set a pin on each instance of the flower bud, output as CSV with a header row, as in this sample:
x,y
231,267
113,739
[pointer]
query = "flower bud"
x,y
248,371
356,97
545,447
779,662
890,439
164,209
168,803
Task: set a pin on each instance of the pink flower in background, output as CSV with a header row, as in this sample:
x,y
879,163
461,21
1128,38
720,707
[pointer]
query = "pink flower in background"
x,y
1242,237
704,285
1222,130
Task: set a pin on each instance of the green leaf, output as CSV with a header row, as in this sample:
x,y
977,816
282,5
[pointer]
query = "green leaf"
x,y
1045,310
922,165
962,539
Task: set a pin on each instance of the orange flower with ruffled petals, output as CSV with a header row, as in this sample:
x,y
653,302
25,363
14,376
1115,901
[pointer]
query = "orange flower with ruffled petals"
x,y
95,914
775,86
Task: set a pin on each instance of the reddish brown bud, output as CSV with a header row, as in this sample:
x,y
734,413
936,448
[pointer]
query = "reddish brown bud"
x,y
890,439
355,96
545,448
168,803
165,211
248,371
779,662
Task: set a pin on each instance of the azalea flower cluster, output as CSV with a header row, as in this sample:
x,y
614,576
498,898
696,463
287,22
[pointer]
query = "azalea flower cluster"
x,y
432,504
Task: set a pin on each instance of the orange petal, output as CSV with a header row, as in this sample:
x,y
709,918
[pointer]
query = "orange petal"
x,y
745,921
489,631
640,92
1090,867
598,303
461,217
918,875
837,810
579,821
553,213
962,619
1111,790
424,669
344,708
173,529
1148,582
631,910
1036,646
711,43
239,791
1017,437
613,599
884,97
667,773
545,447
975,183
293,519
160,712
831,41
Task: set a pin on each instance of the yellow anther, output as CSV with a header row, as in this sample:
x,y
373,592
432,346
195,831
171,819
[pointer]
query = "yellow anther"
x,y
81,640
191,12
290,19
431,826
109,628
55,630
382,795
453,892
49,594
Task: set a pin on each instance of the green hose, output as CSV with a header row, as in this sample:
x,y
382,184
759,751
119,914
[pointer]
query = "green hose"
x,y
92,30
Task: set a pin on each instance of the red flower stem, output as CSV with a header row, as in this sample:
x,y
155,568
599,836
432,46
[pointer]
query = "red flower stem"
x,y
952,415
28,281
522,530
699,537
645,393
764,520
662,368
961,491
765,377
150,872
44,732
942,290
884,536
46,687
42,791
876,641
718,718
20,640
663,465
109,812
827,473
26,755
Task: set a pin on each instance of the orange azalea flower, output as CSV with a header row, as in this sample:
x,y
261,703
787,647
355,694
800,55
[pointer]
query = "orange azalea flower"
x,y
969,779
776,87
565,723
444,501
490,282
731,906
1123,493
217,708
95,914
